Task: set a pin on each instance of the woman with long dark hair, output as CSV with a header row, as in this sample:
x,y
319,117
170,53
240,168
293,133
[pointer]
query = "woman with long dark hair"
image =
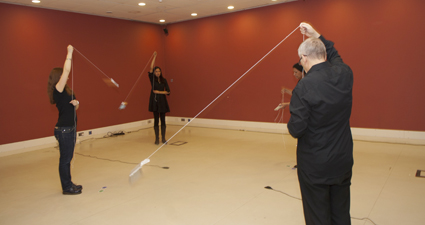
x,y
65,130
158,102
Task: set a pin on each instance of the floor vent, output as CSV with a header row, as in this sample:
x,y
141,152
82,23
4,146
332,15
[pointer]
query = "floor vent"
x,y
178,143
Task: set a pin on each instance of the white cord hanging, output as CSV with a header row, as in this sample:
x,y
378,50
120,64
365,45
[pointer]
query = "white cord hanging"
x,y
109,79
124,103
280,110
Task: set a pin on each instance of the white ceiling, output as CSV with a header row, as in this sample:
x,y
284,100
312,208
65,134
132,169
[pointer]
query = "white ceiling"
x,y
171,11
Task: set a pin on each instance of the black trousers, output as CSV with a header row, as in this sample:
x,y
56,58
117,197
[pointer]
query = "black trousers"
x,y
326,201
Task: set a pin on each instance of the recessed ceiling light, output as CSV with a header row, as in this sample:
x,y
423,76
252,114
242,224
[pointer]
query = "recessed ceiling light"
x,y
230,7
194,14
108,11
35,1
142,4
162,21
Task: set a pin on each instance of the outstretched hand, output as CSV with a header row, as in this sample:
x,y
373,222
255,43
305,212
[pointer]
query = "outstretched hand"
x,y
286,90
283,105
308,30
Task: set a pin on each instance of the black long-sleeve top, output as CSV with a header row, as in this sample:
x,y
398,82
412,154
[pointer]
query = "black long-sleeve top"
x,y
158,102
320,111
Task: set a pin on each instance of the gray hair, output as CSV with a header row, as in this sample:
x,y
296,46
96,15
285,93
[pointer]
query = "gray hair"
x,y
312,47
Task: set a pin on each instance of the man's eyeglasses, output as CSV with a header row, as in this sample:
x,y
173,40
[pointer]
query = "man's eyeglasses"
x,y
299,62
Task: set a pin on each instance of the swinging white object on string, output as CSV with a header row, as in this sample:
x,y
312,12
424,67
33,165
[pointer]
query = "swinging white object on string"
x,y
124,103
278,107
137,171
108,80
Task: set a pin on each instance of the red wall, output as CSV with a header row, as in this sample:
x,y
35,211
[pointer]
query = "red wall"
x,y
379,39
33,41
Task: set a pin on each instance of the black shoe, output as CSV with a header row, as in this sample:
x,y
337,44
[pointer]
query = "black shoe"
x,y
164,141
77,187
71,191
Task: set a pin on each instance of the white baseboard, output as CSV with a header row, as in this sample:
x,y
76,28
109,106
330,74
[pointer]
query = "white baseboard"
x,y
361,134
47,142
229,124
390,136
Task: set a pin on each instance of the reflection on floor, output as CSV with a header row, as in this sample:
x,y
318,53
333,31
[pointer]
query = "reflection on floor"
x,y
214,177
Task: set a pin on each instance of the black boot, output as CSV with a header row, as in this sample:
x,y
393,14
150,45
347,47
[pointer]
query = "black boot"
x,y
156,128
163,128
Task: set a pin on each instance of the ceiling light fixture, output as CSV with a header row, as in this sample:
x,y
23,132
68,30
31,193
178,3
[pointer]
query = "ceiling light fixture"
x,y
194,14
35,1
230,7
142,4
162,21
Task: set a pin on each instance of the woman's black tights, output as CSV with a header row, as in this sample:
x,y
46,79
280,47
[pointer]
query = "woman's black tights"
x,y
156,116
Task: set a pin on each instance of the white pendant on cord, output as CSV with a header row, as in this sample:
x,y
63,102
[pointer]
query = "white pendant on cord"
x,y
124,103
109,81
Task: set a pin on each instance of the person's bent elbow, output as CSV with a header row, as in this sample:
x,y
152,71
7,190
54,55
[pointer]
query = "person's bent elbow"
x,y
295,131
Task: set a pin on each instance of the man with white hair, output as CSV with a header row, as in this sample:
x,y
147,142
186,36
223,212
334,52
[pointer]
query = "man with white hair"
x,y
320,112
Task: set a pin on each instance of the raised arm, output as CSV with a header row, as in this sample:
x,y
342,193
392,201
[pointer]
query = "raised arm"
x,y
331,53
66,69
308,30
153,62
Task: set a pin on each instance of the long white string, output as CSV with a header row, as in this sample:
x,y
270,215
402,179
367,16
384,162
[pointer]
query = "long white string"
x,y
153,84
75,111
138,78
280,111
91,63
72,90
224,91
283,109
302,72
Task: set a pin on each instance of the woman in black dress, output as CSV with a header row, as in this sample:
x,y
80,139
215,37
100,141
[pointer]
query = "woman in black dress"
x,y
158,102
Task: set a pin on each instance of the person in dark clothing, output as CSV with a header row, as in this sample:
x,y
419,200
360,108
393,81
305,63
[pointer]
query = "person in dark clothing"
x,y
65,130
158,102
320,110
